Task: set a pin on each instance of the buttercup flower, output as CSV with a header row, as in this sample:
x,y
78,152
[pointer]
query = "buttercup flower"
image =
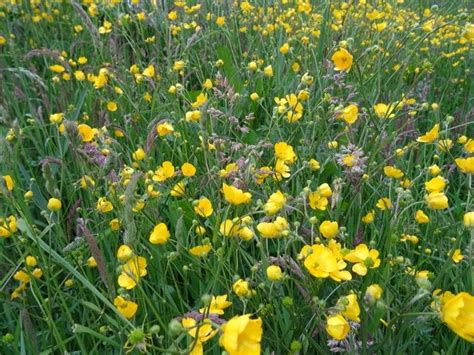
x,y
242,335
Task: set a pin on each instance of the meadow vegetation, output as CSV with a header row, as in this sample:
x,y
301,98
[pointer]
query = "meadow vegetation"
x,y
275,177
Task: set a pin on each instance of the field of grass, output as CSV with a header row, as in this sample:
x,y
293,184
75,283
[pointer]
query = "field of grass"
x,y
236,177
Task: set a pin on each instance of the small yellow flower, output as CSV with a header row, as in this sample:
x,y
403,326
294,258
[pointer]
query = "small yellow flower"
x,y
241,334
235,196
241,288
31,261
468,220
160,234
457,311
56,118
111,106
103,205
349,114
139,154
91,262
86,132
421,217
329,229
384,203
203,207
342,60
275,203
274,273
54,204
7,179
429,136
437,201
164,129
457,256
126,308
268,71
337,327
188,169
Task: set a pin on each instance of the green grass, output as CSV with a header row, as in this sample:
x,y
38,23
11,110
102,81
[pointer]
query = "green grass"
x,y
424,54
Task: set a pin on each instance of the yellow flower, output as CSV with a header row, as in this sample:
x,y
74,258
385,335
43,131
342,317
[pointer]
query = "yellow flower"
x,y
229,169
384,203
369,217
31,261
393,172
132,271
201,99
54,204
421,217
349,114
436,184
229,229
104,206
242,335
202,332
201,250
188,169
282,171
285,152
217,305
7,179
164,172
437,201
285,48
468,220
329,229
203,207
363,258
57,68
126,308
112,106
429,136
115,224
86,132
254,96
275,203
373,293
149,71
172,15
445,144
384,111
164,128
241,288
274,229
466,165
342,60
86,181
160,234
7,228
235,196
337,327
314,164
323,262
458,313
124,253
193,115
139,154
91,262
434,170
178,189
268,71
274,273
457,256
56,118
350,307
